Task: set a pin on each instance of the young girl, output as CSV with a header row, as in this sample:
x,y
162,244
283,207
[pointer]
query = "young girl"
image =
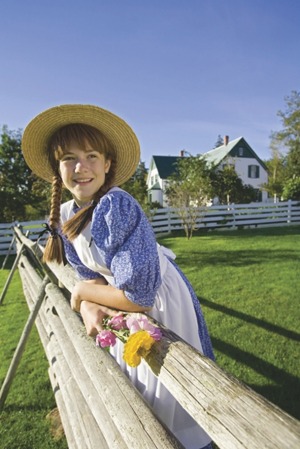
x,y
106,237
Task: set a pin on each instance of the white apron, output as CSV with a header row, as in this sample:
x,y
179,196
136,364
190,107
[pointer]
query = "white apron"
x,y
173,308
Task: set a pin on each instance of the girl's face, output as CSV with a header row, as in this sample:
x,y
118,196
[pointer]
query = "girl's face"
x,y
83,172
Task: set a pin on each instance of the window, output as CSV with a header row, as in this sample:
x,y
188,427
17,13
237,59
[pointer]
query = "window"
x,y
253,171
241,151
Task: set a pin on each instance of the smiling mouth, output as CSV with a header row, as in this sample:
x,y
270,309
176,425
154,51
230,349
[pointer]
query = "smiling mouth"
x,y
83,181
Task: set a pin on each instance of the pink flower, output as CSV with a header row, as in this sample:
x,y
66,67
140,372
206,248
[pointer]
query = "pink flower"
x,y
117,322
155,333
137,322
106,338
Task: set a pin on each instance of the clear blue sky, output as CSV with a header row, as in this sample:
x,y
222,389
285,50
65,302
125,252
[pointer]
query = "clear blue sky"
x,y
180,72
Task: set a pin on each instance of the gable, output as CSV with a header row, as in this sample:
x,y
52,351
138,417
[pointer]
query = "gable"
x,y
243,150
237,148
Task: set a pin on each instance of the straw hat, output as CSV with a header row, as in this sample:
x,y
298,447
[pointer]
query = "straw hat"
x,y
39,131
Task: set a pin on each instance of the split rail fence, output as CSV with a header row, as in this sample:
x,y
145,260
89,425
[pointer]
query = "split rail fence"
x,y
98,405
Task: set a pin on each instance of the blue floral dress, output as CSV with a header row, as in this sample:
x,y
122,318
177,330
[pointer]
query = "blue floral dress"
x,y
119,244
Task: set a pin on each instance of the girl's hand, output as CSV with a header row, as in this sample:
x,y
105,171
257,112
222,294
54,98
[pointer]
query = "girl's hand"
x,y
93,314
80,290
99,292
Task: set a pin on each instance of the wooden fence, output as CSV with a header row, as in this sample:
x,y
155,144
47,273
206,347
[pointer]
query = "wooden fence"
x,y
32,229
231,216
167,220
99,406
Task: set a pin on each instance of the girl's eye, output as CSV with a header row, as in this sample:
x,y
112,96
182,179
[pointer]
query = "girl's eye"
x,y
67,158
93,155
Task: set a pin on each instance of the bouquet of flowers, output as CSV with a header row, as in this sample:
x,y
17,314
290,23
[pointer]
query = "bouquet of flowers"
x,y
135,331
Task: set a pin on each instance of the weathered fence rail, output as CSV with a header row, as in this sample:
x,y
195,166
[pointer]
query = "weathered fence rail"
x,y
167,220
99,406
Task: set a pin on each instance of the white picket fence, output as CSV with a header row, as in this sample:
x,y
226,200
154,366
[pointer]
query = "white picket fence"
x,y
32,229
166,220
231,216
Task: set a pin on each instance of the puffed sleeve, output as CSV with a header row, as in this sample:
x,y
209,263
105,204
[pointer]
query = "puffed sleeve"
x,y
73,259
126,242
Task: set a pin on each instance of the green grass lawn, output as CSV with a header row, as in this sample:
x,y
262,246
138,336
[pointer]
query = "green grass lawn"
x,y
247,282
23,423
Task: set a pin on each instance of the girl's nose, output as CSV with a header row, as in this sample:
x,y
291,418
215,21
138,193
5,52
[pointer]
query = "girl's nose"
x,y
80,165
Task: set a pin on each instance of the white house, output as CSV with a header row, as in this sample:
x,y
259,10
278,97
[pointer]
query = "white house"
x,y
248,166
161,167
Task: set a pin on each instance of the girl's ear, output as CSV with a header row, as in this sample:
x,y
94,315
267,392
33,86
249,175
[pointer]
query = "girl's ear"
x,y
107,165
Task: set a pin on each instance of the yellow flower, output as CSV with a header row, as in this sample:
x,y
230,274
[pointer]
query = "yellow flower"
x,y
137,346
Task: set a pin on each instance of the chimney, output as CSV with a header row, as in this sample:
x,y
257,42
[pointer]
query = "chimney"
x,y
226,140
182,153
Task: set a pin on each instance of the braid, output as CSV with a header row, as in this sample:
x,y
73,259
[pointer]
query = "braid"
x,y
54,248
54,219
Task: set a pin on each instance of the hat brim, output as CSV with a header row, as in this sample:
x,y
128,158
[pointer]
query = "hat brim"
x,y
35,140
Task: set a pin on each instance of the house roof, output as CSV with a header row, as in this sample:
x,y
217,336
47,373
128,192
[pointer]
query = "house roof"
x,y
165,165
216,155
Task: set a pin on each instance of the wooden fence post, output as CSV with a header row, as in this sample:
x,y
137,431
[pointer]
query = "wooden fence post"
x,y
169,220
22,343
9,251
289,211
11,273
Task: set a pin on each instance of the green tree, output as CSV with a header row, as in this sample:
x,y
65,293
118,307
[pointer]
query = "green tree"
x,y
248,194
188,189
137,187
23,196
229,188
15,177
291,189
227,185
219,141
289,136
277,172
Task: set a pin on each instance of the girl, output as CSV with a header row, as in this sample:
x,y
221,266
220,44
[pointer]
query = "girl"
x,y
106,237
